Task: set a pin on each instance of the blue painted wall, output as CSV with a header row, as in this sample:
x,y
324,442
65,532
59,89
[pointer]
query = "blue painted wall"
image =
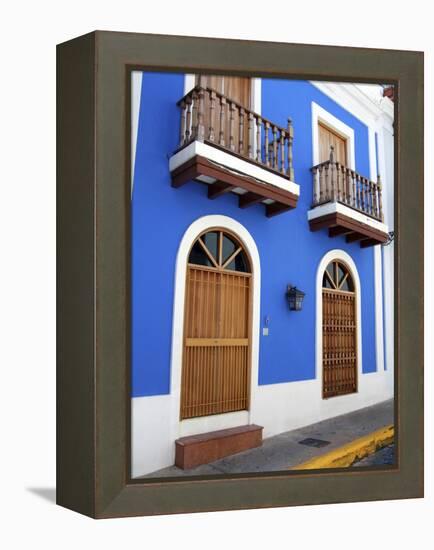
x,y
289,252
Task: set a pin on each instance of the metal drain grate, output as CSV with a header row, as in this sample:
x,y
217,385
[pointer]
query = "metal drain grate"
x,y
312,442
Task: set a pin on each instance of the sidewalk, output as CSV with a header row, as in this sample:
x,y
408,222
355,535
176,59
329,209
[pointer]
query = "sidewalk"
x,y
284,451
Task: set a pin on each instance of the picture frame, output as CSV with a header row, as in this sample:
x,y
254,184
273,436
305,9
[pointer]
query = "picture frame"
x,y
93,227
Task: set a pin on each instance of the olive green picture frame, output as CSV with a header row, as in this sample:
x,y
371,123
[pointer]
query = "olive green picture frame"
x,y
93,284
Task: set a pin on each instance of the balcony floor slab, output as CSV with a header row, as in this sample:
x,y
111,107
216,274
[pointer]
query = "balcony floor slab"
x,y
224,172
342,220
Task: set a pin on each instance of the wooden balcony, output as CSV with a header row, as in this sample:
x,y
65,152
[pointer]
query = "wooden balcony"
x,y
234,150
347,204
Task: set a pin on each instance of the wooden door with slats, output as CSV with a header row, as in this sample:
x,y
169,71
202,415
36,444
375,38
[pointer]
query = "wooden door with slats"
x,y
339,331
216,362
237,89
329,138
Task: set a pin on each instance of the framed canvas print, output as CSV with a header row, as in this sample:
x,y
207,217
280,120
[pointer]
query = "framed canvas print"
x,y
239,274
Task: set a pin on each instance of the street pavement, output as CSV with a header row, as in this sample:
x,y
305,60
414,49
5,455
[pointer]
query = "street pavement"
x,y
383,457
284,451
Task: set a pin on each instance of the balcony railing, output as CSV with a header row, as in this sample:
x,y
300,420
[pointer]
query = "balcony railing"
x,y
211,117
334,182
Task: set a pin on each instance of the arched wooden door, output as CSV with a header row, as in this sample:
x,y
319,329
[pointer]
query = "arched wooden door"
x,y
339,331
216,361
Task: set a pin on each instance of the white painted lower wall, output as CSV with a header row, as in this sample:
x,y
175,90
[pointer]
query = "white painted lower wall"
x,y
152,446
278,408
282,407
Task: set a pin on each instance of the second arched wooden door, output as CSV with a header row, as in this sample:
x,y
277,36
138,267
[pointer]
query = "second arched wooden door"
x,y
339,331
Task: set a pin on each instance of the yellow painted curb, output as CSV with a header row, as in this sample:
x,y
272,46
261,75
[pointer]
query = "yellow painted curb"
x,y
344,456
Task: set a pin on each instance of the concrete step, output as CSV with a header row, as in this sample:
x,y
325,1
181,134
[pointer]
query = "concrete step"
x,y
194,450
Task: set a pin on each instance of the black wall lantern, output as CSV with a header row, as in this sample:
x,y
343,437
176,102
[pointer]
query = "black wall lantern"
x,y
295,298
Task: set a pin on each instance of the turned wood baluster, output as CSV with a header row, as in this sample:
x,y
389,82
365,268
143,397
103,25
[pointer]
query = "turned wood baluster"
x,y
258,139
327,186
332,170
212,98
182,132
188,101
290,171
346,184
250,136
371,198
270,154
231,126
362,202
275,153
194,114
366,189
375,201
380,201
367,204
321,183
338,182
200,116
282,151
241,136
359,191
354,188
363,190
315,185
266,144
222,121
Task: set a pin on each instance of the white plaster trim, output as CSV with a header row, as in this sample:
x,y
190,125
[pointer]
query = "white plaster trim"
x,y
202,224
337,207
374,93
189,82
321,115
389,305
136,91
233,163
257,95
373,168
379,336
378,269
386,165
354,100
385,169
337,254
